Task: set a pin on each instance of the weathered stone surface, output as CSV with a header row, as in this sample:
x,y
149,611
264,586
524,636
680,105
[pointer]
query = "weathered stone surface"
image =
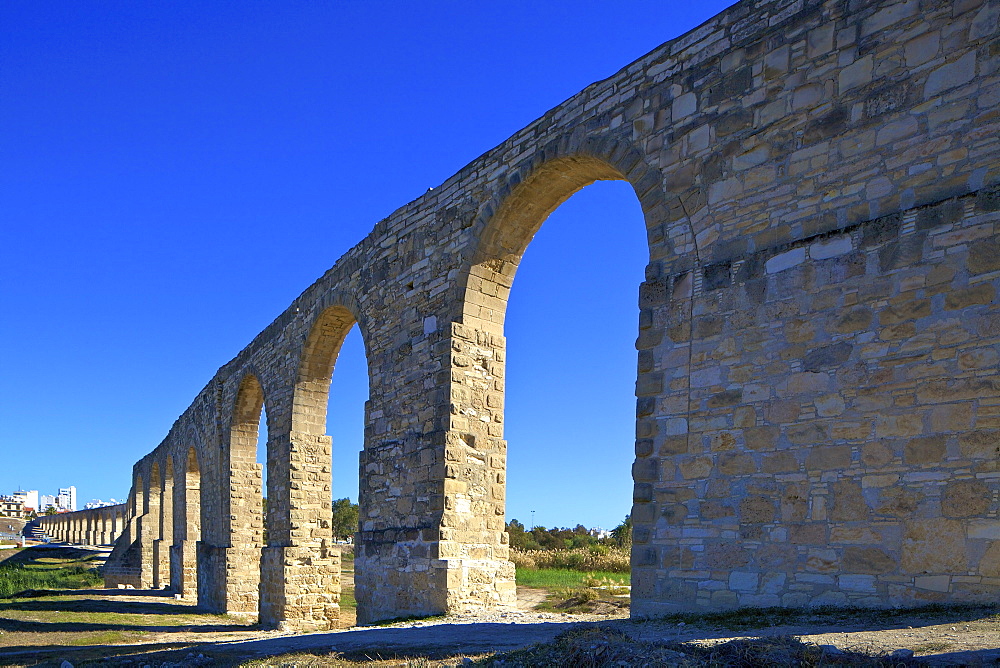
x,y
931,546
827,357
848,502
924,450
965,498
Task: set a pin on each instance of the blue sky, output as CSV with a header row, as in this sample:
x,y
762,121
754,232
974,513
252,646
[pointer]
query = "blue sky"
x,y
172,175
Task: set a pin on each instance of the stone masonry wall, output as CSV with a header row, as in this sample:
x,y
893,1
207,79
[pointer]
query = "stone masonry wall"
x,y
817,342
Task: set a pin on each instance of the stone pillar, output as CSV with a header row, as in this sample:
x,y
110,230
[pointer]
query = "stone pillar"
x,y
145,523
187,529
300,567
229,559
164,531
458,559
120,522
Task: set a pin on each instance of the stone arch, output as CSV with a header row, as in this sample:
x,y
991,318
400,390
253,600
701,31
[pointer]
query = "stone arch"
x,y
164,530
508,222
317,360
476,499
306,502
187,522
150,526
138,496
241,519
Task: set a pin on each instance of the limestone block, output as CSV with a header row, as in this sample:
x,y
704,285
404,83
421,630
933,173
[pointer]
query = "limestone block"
x,y
983,293
934,546
757,510
989,564
871,560
856,74
949,75
965,498
848,502
922,49
980,444
786,260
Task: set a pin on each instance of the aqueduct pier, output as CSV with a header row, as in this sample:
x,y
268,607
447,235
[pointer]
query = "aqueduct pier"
x,y
818,402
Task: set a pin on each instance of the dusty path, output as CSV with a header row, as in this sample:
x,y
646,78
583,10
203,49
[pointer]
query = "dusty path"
x,y
154,622
953,642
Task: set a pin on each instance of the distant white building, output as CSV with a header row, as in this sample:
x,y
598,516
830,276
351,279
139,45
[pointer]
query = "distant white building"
x,y
598,532
28,498
45,501
11,506
98,503
67,498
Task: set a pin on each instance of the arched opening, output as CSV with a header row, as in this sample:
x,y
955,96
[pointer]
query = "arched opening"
x,y
511,229
582,269
151,528
329,412
345,425
187,529
161,573
549,384
242,515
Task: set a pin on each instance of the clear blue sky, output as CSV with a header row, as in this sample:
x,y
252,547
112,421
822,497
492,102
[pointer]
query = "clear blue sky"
x,y
172,175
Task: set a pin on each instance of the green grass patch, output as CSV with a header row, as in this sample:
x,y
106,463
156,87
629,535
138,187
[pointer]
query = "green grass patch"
x,y
17,578
932,646
561,578
106,638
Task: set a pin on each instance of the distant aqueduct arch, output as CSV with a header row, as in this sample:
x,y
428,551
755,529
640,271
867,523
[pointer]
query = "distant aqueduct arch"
x,y
818,402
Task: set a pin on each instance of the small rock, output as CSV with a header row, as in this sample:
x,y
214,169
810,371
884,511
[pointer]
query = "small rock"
x,y
681,624
831,649
902,654
65,664
466,661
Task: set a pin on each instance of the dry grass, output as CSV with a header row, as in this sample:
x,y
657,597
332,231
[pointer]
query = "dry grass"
x,y
594,647
611,560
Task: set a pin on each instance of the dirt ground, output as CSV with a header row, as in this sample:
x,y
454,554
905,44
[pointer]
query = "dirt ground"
x,y
123,627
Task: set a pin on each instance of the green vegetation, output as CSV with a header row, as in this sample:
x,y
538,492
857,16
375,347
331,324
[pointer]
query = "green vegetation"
x,y
46,574
553,578
106,638
594,558
345,519
539,538
347,600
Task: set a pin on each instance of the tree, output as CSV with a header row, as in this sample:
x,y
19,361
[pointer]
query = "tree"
x,y
345,519
51,510
622,534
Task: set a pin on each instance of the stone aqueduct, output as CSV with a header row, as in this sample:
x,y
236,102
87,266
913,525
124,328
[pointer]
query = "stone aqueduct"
x,y
818,401
96,526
